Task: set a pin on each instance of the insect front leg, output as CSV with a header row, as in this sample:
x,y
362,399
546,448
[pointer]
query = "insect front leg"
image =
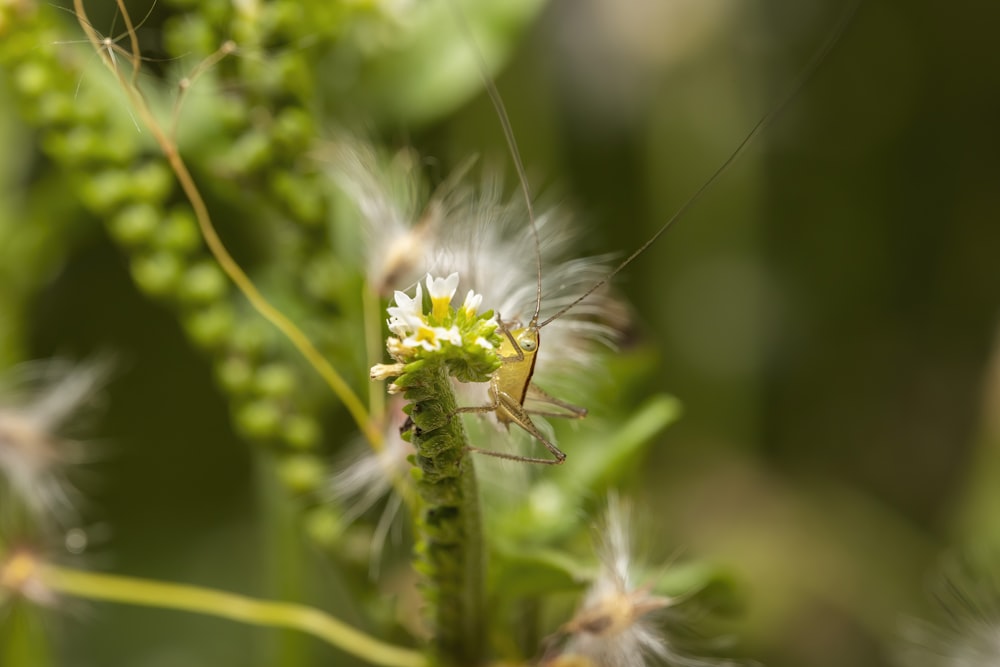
x,y
479,409
505,330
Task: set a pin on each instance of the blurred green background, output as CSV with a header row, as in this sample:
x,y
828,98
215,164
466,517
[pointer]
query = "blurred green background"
x,y
826,313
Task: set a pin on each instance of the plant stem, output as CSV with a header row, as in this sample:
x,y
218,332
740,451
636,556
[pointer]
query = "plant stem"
x,y
257,300
449,551
129,590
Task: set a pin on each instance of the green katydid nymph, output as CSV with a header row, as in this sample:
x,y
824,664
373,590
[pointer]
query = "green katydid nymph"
x,y
515,345
511,385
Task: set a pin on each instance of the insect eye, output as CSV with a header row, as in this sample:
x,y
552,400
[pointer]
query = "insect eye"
x,y
527,342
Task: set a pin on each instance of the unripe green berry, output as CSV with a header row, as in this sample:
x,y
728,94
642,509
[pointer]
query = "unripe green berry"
x,y
259,419
190,34
302,473
250,339
32,78
301,432
304,200
293,129
118,147
249,153
275,380
235,374
203,283
106,190
152,182
55,107
232,112
324,525
212,326
157,273
135,224
77,145
178,232
293,73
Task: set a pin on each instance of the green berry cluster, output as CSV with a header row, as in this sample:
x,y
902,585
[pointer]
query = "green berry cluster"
x,y
128,185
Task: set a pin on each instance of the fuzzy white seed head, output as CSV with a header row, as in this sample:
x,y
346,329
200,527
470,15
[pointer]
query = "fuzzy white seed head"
x,y
968,633
484,236
20,578
614,625
367,478
388,196
487,239
619,622
38,404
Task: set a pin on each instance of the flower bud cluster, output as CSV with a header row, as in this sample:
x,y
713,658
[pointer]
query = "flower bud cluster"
x,y
461,338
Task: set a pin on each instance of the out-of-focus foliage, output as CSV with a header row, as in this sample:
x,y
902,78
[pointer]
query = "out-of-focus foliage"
x,y
826,314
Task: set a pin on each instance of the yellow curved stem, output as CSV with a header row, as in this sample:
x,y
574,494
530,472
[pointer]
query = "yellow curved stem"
x,y
165,595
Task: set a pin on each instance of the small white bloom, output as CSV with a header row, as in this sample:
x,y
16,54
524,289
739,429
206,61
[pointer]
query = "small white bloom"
x,y
386,371
472,303
442,288
441,291
397,350
431,338
483,343
408,313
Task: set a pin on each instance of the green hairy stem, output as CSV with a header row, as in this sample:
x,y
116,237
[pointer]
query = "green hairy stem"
x,y
449,551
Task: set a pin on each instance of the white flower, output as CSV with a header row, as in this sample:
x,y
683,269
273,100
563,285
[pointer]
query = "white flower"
x,y
472,303
431,338
386,371
408,314
441,291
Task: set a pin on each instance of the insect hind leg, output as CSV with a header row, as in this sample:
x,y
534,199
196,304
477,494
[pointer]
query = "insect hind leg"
x,y
538,395
512,411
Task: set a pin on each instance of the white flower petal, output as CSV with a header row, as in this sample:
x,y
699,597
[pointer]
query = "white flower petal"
x,y
407,315
472,302
442,288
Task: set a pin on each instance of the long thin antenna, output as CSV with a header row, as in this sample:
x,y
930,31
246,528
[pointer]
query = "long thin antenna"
x,y
807,73
508,133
